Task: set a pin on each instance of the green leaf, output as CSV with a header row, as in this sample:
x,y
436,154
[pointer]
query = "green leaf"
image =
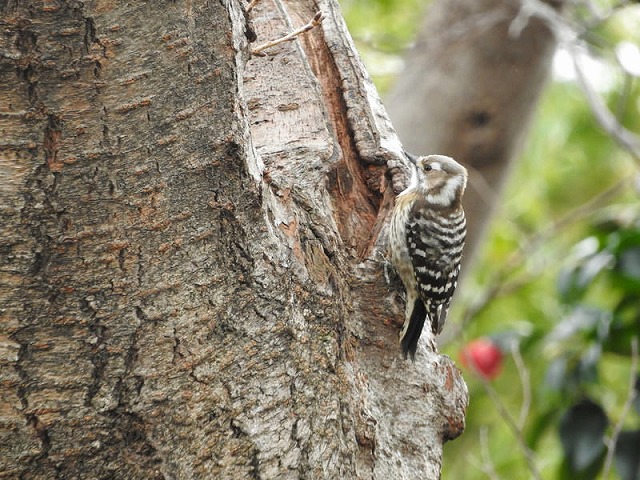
x,y
588,365
540,423
592,321
627,455
582,430
588,260
629,263
625,326
556,376
569,285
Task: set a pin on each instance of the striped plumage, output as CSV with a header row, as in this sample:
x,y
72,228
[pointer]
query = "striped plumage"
x,y
426,240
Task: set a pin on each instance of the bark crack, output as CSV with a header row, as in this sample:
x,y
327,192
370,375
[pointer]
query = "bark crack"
x,y
140,272
51,142
254,460
354,185
31,417
26,66
96,340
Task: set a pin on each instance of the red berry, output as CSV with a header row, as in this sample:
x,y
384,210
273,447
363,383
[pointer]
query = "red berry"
x,y
483,356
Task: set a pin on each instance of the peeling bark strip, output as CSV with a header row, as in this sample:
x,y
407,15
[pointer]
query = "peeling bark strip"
x,y
174,306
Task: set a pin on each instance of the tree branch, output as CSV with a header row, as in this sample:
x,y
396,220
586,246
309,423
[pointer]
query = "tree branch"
x,y
523,373
569,34
314,22
631,395
487,464
607,120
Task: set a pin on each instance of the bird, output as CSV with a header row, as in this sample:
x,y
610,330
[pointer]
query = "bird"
x,y
426,239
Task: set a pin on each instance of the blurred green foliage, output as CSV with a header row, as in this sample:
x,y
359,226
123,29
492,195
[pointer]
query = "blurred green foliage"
x,y
383,30
564,254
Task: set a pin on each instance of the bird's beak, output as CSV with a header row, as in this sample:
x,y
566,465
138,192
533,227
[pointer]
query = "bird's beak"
x,y
412,158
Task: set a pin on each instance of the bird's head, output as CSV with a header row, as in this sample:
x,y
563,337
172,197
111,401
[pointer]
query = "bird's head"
x,y
441,179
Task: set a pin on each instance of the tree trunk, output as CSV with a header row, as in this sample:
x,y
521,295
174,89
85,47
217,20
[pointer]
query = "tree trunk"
x,y
475,76
190,276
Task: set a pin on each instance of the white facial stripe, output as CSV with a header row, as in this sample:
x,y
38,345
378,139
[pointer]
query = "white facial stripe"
x,y
436,165
447,193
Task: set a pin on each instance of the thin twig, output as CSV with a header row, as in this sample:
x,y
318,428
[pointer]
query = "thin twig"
x,y
506,416
557,23
598,18
523,373
561,25
631,395
569,35
487,463
607,120
315,21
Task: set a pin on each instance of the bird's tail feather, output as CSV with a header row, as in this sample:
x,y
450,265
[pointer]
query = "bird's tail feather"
x,y
411,334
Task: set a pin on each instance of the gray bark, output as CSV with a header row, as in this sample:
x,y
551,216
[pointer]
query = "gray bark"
x,y
190,275
469,90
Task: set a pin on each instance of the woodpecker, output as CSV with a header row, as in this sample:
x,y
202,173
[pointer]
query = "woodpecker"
x,y
426,238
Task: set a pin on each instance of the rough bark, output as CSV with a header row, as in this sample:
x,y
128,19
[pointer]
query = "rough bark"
x,y
190,273
469,90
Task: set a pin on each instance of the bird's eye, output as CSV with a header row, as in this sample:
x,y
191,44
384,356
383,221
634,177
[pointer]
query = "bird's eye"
x,y
428,167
